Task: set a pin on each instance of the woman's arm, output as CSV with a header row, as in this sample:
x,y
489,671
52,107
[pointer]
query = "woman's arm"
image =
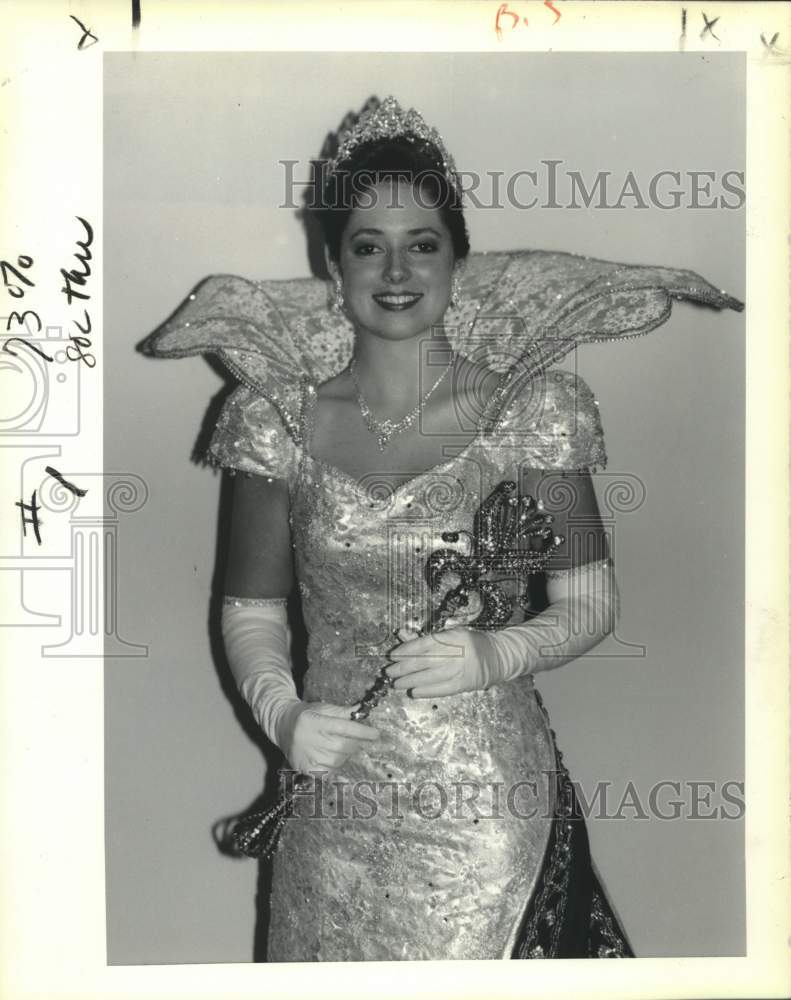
x,y
260,563
570,498
260,575
583,607
583,603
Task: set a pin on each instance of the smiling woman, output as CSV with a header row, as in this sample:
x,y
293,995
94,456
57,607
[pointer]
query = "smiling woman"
x,y
394,278
421,471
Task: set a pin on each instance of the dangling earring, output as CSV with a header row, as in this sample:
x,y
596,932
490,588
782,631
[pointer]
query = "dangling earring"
x,y
337,295
455,292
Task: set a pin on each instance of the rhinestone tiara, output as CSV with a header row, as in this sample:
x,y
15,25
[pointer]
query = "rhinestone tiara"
x,y
387,120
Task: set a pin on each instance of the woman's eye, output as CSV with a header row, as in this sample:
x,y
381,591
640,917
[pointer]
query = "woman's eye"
x,y
369,249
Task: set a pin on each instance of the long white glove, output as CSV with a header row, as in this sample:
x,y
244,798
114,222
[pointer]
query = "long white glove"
x,y
312,735
584,606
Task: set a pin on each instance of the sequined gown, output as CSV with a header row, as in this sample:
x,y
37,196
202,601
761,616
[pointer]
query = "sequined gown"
x,y
455,838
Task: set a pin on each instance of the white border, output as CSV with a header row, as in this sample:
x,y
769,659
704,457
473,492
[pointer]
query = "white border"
x,y
52,924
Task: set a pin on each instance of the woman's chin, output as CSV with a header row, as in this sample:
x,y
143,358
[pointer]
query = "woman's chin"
x,y
400,325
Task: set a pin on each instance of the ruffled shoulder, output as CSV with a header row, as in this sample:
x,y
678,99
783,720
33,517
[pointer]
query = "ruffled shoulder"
x,y
534,306
523,307
272,336
251,437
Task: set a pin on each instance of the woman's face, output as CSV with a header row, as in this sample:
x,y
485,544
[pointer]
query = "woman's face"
x,y
396,263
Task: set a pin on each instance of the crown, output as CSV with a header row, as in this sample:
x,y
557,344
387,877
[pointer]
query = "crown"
x,y
387,120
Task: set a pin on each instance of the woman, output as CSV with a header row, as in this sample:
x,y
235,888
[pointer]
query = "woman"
x,y
410,437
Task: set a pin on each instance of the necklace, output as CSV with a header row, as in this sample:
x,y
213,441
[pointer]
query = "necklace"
x,y
385,429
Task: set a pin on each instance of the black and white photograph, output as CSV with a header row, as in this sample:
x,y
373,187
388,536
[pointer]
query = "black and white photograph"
x,y
406,434
431,490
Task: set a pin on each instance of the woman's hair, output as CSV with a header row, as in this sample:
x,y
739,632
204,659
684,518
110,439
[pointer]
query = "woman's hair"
x,y
370,162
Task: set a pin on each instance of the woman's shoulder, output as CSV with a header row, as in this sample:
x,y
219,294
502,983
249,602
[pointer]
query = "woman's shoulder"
x,y
554,416
251,436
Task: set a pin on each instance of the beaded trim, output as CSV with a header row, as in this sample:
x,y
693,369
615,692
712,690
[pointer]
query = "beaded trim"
x,y
262,388
252,602
307,415
210,460
612,944
559,574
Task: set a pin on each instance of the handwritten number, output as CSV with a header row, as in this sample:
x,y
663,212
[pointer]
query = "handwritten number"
x,y
77,349
25,343
89,359
21,319
65,482
76,344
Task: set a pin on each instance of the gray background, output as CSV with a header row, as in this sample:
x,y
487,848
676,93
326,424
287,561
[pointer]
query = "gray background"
x,y
192,184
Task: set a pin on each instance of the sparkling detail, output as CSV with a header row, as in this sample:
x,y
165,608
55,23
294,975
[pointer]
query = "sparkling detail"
x,y
352,590
385,429
574,571
274,335
277,338
503,523
388,120
252,602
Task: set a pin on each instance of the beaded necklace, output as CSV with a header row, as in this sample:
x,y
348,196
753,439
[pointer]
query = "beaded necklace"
x,y
385,429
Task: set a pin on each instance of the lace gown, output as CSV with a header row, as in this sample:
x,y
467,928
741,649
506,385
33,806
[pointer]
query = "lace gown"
x,y
456,838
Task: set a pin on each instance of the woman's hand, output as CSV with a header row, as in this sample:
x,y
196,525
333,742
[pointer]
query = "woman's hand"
x,y
441,663
315,736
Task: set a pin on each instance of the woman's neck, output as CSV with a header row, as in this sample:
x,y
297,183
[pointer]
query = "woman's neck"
x,y
394,375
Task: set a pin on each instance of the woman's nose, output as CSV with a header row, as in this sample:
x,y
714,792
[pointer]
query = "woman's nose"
x,y
395,268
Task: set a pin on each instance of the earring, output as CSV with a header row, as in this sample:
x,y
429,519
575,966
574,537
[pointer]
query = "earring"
x,y
455,292
337,295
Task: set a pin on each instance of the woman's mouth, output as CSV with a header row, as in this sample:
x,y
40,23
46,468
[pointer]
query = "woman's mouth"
x,y
397,302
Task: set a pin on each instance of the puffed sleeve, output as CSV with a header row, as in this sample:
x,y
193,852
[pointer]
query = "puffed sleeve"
x,y
250,436
555,433
552,421
576,437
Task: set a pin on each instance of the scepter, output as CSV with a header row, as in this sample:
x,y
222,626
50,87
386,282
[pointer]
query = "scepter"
x,y
503,523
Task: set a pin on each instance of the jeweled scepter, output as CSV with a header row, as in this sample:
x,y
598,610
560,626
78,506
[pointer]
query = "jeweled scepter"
x,y
503,523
